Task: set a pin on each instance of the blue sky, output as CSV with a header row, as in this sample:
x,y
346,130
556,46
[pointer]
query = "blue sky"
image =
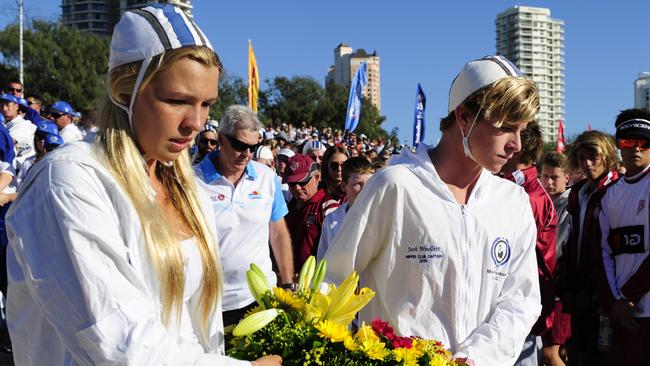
x,y
606,46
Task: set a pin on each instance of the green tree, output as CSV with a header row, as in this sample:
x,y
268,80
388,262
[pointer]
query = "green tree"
x,y
292,99
302,98
232,90
59,62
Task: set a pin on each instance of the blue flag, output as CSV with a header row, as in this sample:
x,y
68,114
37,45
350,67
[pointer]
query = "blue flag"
x,y
418,123
354,103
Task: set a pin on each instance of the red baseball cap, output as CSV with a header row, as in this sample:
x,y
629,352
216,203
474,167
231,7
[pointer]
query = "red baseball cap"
x,y
298,169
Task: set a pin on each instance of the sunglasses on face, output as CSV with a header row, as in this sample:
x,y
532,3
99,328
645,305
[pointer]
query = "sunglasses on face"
x,y
334,165
302,184
211,142
15,89
642,144
57,115
239,145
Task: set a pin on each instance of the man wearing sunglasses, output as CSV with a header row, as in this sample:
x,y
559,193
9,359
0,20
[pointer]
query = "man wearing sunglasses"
x,y
63,115
249,207
35,103
14,88
625,242
307,208
206,143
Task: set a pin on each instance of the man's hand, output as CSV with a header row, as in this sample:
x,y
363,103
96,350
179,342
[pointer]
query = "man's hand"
x,y
621,316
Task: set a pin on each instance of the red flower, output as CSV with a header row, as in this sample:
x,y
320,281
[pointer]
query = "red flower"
x,y
402,342
381,327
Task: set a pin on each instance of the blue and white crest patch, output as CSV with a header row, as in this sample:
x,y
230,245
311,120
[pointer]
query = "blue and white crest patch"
x,y
500,251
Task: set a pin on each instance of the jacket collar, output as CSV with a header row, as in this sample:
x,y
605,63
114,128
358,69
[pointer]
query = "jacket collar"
x,y
420,164
209,172
637,177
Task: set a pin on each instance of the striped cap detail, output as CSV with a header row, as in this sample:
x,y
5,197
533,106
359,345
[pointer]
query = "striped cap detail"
x,y
478,74
143,33
633,127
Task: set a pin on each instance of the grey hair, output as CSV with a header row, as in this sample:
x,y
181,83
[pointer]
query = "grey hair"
x,y
239,117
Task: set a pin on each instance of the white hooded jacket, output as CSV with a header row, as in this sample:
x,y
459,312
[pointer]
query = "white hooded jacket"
x,y
81,289
463,274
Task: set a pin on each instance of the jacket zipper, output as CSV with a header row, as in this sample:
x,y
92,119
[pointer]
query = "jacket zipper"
x,y
465,263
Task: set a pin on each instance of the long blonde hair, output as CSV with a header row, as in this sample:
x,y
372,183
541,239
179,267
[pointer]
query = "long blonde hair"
x,y
125,161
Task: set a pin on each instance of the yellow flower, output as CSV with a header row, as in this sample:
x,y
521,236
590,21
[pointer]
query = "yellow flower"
x,y
439,360
409,356
374,349
350,344
255,322
254,310
312,312
365,332
316,307
286,297
333,331
344,303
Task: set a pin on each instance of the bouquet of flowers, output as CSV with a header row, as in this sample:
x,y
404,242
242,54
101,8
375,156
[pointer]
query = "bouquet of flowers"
x,y
310,326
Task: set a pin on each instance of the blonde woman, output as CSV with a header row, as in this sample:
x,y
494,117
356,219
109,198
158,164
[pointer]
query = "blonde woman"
x,y
111,258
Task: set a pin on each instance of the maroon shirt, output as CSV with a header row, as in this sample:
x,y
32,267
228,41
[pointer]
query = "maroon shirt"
x,y
546,222
305,225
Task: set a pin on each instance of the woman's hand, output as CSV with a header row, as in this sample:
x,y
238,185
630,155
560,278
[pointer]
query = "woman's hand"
x,y
273,360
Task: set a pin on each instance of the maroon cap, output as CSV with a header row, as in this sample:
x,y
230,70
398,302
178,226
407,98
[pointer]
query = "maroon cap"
x,y
298,168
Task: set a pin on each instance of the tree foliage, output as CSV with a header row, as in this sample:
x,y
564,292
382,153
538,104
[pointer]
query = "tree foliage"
x,y
301,98
59,62
232,90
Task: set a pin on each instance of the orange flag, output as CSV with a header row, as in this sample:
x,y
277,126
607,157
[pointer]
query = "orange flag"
x,y
253,78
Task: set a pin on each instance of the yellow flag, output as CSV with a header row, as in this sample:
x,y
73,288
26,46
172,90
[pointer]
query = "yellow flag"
x,y
253,78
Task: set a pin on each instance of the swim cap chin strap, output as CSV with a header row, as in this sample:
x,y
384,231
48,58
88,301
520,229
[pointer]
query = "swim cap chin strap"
x,y
466,149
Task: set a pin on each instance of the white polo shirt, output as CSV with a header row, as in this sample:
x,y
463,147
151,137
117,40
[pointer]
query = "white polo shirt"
x,y
331,226
71,133
243,214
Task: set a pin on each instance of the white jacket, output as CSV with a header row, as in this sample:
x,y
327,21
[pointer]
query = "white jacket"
x,y
463,274
625,246
22,131
81,290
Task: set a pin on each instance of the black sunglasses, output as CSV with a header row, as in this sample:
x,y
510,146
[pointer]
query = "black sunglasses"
x,y
14,89
335,165
57,115
302,184
239,145
211,142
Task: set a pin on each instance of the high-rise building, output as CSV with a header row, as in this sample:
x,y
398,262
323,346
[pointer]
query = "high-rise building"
x,y
642,91
100,16
346,64
86,15
534,41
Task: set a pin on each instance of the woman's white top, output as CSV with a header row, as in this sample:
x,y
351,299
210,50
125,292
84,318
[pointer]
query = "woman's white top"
x,y
81,288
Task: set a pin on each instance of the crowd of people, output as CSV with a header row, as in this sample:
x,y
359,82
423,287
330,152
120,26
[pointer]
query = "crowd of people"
x,y
127,242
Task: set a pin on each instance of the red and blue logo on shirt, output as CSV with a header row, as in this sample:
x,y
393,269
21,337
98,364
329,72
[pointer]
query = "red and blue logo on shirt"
x,y
255,195
219,197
